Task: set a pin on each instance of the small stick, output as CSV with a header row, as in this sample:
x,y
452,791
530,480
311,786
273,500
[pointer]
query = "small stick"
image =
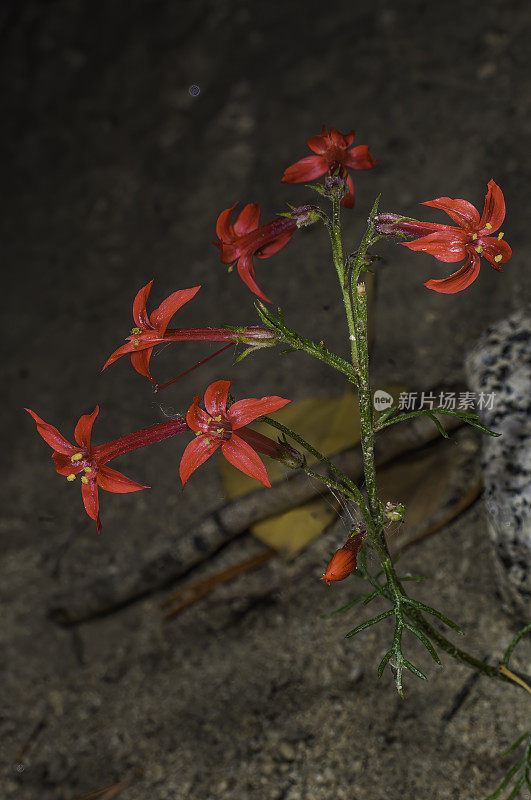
x,y
515,678
114,789
191,594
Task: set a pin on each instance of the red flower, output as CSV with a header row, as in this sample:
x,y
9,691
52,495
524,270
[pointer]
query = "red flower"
x,y
71,460
469,240
153,330
344,560
332,153
242,240
217,429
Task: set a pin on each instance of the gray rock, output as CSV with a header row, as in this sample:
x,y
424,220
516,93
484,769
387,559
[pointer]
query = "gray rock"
x,y
499,371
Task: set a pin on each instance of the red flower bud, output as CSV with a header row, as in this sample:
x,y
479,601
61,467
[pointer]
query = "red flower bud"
x,y
344,560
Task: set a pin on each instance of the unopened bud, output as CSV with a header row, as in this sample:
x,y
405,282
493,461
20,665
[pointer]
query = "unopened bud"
x,y
395,511
335,186
344,560
305,215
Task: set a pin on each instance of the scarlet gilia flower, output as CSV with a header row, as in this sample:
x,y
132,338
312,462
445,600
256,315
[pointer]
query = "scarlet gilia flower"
x,y
151,330
90,462
224,427
241,240
471,239
334,154
344,560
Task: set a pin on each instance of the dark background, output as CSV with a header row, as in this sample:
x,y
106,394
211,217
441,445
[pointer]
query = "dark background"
x,y
114,174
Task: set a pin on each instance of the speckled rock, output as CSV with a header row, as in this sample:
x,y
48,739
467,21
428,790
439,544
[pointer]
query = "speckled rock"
x,y
500,365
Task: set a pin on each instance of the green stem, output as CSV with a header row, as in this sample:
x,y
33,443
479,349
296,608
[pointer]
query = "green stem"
x,y
347,486
337,253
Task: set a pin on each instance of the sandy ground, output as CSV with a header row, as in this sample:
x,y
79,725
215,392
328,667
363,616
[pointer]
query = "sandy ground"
x,y
115,174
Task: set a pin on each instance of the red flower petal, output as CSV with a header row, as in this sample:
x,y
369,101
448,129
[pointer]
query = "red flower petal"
x,y
64,466
216,398
349,138
122,351
113,481
245,411
274,246
196,418
461,211
242,456
162,315
348,200
446,245
196,453
459,280
494,209
247,219
319,144
245,269
89,492
360,158
307,169
52,436
140,314
337,139
83,429
140,361
224,229
493,247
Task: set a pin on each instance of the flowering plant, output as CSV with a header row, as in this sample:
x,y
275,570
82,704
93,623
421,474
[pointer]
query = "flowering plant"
x,y
223,423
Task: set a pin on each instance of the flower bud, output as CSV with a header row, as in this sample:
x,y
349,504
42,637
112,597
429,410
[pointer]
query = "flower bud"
x,y
335,186
305,215
395,511
344,560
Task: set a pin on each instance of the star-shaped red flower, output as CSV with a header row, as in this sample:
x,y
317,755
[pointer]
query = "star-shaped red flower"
x,y
333,152
152,329
71,460
471,239
221,427
241,240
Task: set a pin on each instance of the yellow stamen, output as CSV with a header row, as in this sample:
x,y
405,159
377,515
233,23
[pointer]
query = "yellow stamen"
x,y
219,430
207,440
218,418
84,479
488,225
71,477
198,433
498,258
500,235
136,331
136,341
474,236
479,249
209,419
76,457
88,470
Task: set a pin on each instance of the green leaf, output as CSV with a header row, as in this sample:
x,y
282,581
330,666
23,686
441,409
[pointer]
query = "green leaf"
x,y
373,621
433,612
516,791
384,662
516,745
408,665
344,608
508,653
425,641
245,353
